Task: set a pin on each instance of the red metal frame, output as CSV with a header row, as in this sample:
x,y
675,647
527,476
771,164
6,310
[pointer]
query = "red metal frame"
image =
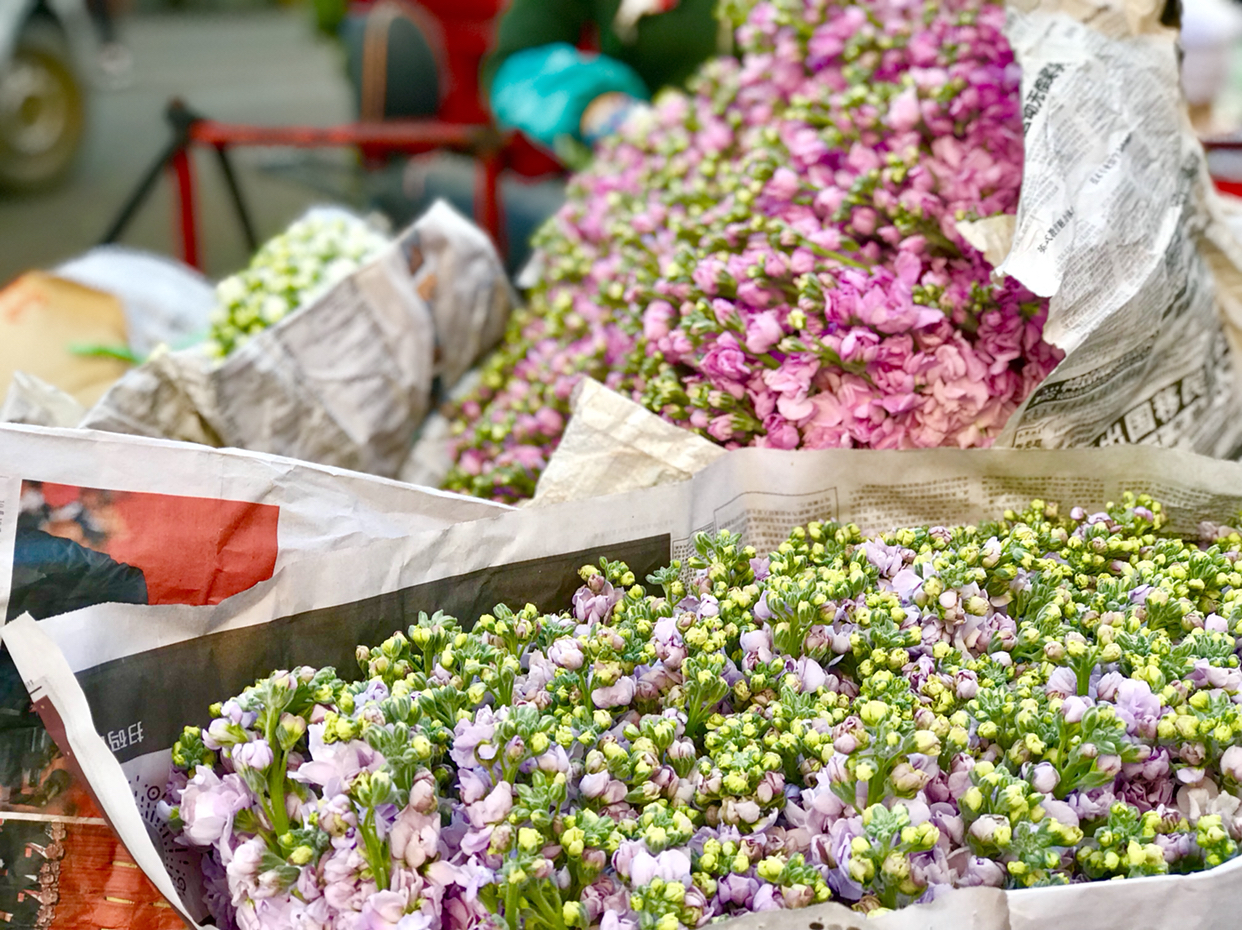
x,y
187,214
410,137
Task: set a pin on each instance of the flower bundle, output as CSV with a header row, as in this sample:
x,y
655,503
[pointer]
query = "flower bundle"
x,y
288,271
1040,700
773,258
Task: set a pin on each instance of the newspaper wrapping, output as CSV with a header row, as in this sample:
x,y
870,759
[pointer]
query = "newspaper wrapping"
x,y
97,515
118,681
346,380
1119,226
1117,223
33,401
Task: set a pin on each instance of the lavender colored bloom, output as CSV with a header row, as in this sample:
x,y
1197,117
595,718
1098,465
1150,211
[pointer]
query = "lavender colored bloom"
x,y
672,865
469,735
1062,681
1075,708
494,808
256,754
567,654
209,803
333,765
1138,707
618,694
1231,763
1044,778
415,836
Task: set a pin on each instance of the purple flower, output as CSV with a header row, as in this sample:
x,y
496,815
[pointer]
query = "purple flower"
x,y
591,607
209,803
334,765
906,583
1075,708
672,865
1106,687
618,694
469,735
1044,778
414,836
256,754
567,654
1138,707
593,784
738,890
1062,681
494,808
384,909
471,785
1231,763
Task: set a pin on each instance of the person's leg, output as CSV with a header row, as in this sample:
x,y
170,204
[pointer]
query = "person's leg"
x,y
101,15
115,60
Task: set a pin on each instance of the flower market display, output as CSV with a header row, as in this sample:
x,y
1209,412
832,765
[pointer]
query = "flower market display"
x,y
773,258
293,268
1047,699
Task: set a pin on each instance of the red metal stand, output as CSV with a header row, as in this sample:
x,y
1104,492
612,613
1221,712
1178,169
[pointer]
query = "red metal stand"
x,y
187,214
410,137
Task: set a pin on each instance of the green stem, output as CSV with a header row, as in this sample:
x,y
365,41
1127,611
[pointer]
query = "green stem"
x,y
375,855
511,906
553,916
276,790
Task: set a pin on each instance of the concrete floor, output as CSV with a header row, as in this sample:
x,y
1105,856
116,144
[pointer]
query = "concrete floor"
x,y
248,66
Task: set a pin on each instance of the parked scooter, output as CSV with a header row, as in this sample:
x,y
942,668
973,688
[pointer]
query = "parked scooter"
x,y
45,50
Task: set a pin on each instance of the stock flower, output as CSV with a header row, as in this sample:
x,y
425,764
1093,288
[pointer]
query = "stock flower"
x,y
772,257
209,803
664,755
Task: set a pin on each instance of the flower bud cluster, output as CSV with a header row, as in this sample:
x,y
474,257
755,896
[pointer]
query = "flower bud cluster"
x,y
288,272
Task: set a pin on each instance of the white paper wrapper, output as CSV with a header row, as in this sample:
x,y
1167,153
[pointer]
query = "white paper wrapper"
x,y
33,401
612,444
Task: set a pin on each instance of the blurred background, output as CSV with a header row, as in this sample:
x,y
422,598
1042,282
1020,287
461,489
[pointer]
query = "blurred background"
x,y
258,62
240,60
269,63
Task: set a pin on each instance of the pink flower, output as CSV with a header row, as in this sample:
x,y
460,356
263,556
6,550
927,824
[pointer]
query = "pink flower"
x,y
414,836
672,865
384,909
783,184
656,319
1231,763
494,808
781,434
763,330
903,112
615,695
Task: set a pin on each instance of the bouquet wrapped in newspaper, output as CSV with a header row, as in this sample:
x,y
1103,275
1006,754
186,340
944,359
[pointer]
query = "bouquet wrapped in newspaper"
x,y
331,347
294,268
822,245
95,517
871,719
748,701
